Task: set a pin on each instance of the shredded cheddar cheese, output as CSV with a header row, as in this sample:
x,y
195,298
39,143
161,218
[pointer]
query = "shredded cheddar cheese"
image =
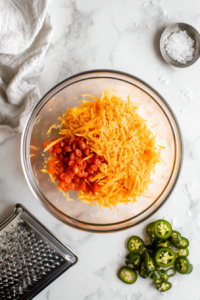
x,y
114,129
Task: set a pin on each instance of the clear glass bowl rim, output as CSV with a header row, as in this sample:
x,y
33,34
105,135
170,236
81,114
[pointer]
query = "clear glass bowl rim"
x,y
100,228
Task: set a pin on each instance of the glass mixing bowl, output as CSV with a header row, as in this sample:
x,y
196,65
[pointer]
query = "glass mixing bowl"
x,y
68,94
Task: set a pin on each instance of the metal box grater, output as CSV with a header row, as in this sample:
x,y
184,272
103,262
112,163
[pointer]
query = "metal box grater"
x,y
31,257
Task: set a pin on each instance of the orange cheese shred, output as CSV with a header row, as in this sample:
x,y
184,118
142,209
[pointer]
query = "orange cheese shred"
x,y
52,144
114,129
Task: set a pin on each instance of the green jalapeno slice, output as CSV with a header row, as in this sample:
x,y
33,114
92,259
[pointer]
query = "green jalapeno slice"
x,y
135,244
182,265
163,244
183,252
150,230
130,265
148,261
143,271
150,264
190,269
135,258
165,257
163,275
175,237
162,229
156,277
163,286
183,244
127,275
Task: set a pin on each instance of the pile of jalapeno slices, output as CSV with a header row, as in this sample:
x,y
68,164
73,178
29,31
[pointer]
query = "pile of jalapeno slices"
x,y
158,261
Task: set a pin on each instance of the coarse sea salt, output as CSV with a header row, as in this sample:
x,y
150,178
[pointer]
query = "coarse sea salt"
x,y
179,46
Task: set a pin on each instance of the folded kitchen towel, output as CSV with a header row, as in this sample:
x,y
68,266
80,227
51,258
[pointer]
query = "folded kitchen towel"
x,y
25,33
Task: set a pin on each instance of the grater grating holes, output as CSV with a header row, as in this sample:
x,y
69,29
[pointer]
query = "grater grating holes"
x,y
24,260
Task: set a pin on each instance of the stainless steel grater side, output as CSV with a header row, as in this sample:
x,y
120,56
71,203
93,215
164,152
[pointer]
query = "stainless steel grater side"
x,y
31,257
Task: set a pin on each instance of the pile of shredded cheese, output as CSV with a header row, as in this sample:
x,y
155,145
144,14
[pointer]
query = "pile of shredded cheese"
x,y
113,128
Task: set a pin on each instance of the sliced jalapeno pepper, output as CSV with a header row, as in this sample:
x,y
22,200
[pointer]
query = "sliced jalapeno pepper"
x,y
149,252
143,271
151,244
145,254
163,275
170,272
164,286
165,257
162,229
127,275
135,258
135,244
156,256
156,276
182,265
183,244
131,265
183,252
148,261
163,243
150,230
190,269
175,237
150,264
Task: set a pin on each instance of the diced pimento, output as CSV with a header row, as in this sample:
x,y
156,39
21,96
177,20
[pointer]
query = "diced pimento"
x,y
71,167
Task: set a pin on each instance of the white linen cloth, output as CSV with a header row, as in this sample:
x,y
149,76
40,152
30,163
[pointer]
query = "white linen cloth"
x,y
25,33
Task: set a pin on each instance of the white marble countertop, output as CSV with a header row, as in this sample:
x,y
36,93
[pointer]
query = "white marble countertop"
x,y
120,35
